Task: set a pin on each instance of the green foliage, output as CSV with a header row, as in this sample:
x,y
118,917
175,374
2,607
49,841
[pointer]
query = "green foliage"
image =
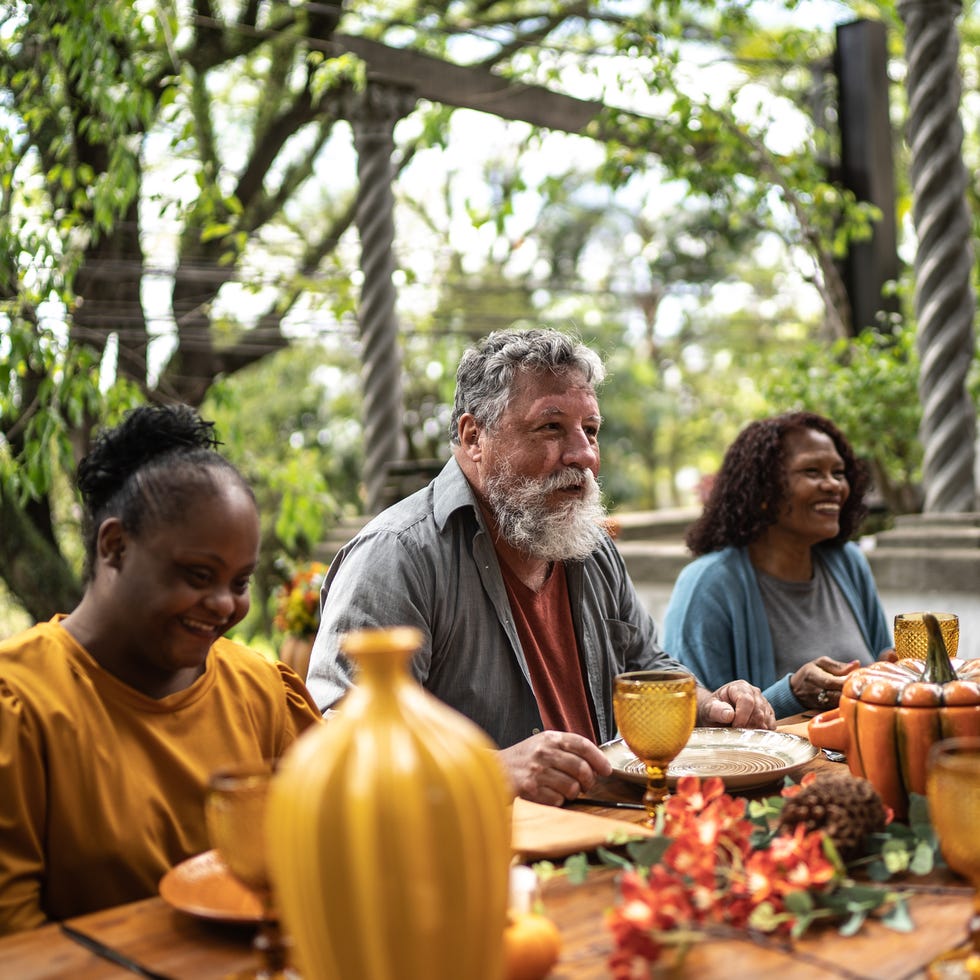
x,y
48,390
868,386
286,424
911,848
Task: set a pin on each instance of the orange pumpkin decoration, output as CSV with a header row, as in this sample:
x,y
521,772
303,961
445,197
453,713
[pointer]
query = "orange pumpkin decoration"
x,y
532,945
891,713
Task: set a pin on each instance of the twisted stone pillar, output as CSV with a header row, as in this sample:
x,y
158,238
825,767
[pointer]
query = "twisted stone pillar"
x,y
944,300
373,114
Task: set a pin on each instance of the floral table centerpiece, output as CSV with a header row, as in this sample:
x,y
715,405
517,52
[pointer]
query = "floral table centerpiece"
x,y
719,863
298,615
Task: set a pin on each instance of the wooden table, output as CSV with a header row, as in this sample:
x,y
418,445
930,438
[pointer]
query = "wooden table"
x,y
184,948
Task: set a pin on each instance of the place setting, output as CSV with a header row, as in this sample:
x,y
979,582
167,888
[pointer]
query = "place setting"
x,y
658,742
231,883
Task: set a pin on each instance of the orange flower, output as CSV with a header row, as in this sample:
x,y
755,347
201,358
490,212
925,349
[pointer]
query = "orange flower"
x,y
790,791
711,872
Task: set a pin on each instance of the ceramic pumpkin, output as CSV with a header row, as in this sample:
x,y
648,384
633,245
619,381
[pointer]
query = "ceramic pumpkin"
x,y
890,714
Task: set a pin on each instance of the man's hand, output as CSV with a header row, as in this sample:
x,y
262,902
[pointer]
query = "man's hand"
x,y
552,767
738,704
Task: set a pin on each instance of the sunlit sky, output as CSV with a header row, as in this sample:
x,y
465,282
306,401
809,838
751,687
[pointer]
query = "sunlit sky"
x,y
476,139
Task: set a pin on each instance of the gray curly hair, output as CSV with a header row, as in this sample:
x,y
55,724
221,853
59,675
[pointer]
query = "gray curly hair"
x,y
486,372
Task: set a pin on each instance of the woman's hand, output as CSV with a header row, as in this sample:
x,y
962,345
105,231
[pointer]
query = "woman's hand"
x,y
818,684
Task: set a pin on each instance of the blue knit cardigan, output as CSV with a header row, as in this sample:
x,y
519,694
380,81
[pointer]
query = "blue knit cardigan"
x,y
716,623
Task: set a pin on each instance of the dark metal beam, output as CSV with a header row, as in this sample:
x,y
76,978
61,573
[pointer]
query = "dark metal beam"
x,y
867,166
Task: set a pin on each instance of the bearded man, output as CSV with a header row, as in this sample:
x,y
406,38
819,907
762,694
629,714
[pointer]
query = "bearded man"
x,y
505,565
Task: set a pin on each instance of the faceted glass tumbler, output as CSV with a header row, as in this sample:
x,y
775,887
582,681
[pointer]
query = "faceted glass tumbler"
x,y
912,639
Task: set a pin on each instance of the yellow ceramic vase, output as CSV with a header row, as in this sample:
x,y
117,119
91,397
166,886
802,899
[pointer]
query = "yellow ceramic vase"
x,y
389,833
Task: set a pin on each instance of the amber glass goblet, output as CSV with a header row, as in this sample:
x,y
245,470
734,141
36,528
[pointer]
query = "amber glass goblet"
x,y
912,638
953,791
235,815
655,712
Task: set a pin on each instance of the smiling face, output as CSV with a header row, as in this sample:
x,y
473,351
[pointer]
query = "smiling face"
x,y
535,471
817,487
176,587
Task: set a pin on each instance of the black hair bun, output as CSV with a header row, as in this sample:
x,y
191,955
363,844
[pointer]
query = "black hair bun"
x,y
146,433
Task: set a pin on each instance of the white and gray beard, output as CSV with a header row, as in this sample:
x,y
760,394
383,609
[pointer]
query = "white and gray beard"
x,y
527,521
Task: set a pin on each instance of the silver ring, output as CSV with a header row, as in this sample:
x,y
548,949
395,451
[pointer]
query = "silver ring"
x,y
823,697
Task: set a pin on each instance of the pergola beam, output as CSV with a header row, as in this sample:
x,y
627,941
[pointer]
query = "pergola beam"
x,y
477,88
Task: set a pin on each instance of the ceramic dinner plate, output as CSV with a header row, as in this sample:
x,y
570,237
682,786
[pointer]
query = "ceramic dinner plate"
x,y
204,887
743,757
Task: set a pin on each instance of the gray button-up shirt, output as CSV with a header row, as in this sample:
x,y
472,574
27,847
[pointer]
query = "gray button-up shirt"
x,y
429,562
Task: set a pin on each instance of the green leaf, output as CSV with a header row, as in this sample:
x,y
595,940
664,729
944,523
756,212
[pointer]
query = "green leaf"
x,y
799,902
923,858
577,868
765,918
898,917
919,820
216,231
853,923
613,859
649,851
546,870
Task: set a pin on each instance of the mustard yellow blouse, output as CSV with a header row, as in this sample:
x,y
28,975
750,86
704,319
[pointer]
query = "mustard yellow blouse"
x,y
101,787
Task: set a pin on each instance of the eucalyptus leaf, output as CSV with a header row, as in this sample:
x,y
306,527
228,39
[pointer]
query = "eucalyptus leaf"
x,y
613,859
923,858
648,851
852,924
899,917
577,868
799,901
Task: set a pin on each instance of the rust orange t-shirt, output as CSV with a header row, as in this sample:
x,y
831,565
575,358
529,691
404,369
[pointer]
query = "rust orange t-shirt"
x,y
547,634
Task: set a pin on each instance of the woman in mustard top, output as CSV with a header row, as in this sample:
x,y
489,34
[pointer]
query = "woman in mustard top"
x,y
113,717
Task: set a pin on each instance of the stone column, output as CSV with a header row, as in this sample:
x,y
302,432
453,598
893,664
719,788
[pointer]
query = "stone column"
x,y
373,114
944,301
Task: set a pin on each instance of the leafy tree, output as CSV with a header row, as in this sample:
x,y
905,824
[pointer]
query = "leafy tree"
x,y
177,186
98,97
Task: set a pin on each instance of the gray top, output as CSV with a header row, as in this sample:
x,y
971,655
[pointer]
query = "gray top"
x,y
810,619
429,562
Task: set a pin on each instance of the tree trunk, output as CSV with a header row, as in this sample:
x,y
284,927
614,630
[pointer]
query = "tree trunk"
x,y
34,570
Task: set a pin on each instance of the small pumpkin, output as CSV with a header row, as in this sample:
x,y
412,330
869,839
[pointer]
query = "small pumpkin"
x,y
532,945
890,714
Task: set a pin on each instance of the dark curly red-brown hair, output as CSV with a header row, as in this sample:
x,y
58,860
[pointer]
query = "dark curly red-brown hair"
x,y
751,487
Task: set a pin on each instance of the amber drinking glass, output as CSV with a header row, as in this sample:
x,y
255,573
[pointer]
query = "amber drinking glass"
x,y
655,712
912,640
953,791
235,815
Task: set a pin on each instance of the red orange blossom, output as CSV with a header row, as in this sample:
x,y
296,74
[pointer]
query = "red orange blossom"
x,y
714,873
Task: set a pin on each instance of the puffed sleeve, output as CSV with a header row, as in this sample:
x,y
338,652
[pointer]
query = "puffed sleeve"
x,y
22,816
301,709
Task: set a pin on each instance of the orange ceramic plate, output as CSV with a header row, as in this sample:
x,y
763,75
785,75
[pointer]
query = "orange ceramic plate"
x,y
203,886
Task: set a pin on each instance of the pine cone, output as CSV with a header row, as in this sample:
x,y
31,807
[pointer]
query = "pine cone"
x,y
845,808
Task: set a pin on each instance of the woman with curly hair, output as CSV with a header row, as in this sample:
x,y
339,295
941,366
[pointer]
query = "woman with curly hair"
x,y
779,595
